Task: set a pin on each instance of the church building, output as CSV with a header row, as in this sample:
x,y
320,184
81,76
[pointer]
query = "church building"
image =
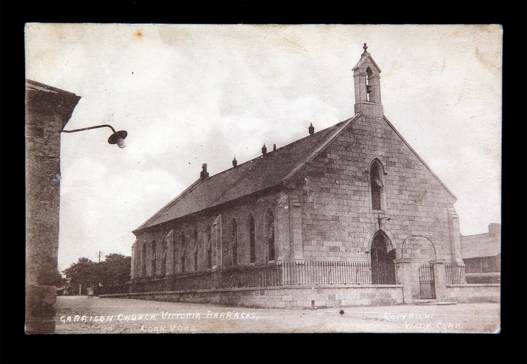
x,y
346,215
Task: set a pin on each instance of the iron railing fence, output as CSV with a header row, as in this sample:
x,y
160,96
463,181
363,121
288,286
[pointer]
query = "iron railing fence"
x,y
455,274
326,273
308,273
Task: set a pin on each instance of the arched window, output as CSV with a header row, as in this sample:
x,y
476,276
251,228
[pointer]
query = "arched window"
x,y
269,234
234,242
252,240
183,251
209,247
369,74
164,258
174,256
143,261
196,249
154,259
377,185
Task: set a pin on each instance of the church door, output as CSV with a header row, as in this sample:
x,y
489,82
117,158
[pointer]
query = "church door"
x,y
382,261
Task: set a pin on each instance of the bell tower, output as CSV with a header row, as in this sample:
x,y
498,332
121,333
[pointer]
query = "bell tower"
x,y
366,75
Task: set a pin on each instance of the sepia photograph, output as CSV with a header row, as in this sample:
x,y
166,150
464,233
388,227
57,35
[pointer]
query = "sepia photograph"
x,y
238,178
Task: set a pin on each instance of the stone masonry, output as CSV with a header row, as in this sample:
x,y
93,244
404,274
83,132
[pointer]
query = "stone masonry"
x,y
47,111
356,192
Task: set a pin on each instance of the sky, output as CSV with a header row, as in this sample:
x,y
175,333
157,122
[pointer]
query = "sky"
x,y
193,94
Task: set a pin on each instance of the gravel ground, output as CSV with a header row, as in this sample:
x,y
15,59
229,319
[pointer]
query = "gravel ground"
x,y
80,314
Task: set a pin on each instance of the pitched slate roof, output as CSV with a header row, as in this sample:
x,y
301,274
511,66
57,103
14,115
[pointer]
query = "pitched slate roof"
x,y
255,175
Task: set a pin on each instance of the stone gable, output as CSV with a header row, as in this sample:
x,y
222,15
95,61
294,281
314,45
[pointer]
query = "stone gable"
x,y
337,216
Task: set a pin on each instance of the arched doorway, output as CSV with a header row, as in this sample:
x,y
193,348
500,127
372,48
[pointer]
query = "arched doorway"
x,y
382,260
420,251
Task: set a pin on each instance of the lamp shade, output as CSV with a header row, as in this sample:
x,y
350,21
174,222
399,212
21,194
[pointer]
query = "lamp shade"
x,y
118,138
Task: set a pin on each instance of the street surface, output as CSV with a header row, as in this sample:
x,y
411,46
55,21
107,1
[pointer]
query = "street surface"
x,y
80,314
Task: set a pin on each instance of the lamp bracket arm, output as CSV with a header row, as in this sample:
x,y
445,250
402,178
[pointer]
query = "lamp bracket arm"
x,y
89,128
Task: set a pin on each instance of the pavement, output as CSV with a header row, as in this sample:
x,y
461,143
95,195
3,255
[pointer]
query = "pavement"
x,y
83,315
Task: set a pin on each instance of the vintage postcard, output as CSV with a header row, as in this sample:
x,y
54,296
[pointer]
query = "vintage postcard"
x,y
263,178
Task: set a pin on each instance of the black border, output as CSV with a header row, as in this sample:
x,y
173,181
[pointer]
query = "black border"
x,y
508,346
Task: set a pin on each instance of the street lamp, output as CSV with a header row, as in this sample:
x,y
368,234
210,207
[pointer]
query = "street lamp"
x,y
117,137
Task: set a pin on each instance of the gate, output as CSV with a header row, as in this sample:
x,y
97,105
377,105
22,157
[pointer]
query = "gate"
x,y
426,281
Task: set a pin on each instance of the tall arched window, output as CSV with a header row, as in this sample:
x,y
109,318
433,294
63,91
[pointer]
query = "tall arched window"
x,y
196,249
154,258
143,261
269,234
234,242
209,247
252,240
183,251
174,256
164,248
377,185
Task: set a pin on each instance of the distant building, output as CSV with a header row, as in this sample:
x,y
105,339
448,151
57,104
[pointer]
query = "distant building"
x,y
48,109
482,255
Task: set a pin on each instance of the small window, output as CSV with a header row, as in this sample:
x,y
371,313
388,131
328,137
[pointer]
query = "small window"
x,y
369,74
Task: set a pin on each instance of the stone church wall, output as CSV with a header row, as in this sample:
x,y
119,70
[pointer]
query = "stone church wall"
x,y
257,206
338,220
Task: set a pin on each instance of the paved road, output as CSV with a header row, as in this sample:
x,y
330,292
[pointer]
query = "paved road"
x,y
78,314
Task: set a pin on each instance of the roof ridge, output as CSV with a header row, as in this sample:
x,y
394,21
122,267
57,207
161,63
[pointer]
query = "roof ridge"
x,y
244,174
285,146
278,149
170,204
346,122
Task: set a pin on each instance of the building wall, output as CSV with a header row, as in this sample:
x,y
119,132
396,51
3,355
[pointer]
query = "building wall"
x,y
482,245
325,213
482,255
338,222
283,297
47,111
169,236
474,292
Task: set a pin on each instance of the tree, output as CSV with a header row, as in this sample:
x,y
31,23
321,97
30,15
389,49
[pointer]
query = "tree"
x,y
112,272
84,273
115,270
